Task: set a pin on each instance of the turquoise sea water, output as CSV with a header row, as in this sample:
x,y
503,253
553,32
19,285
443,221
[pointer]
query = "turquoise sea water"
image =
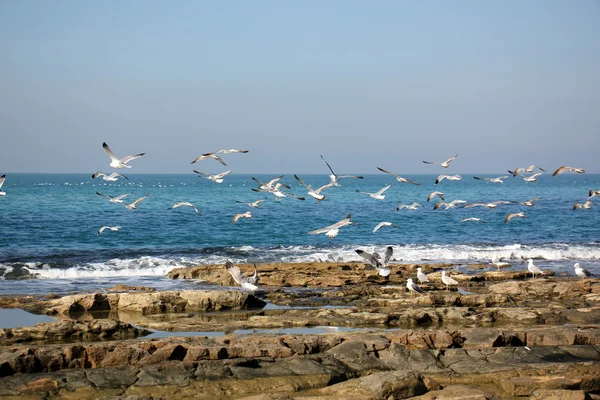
x,y
49,224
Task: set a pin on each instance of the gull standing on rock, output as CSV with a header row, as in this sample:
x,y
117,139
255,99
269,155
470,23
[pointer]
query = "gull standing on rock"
x,y
335,178
441,177
184,203
533,268
413,287
421,276
2,179
514,215
115,162
581,272
443,164
498,264
246,282
398,177
447,280
247,214
377,195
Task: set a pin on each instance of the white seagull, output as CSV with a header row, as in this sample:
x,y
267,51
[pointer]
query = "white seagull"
x,y
230,151
184,203
377,195
412,206
473,219
398,177
570,169
316,194
529,203
381,263
493,180
441,177
112,228
413,287
591,194
384,223
134,205
421,276
447,280
492,204
246,282
513,215
533,268
443,164
114,160
110,178
2,179
114,199
436,193
209,155
449,205
581,272
247,214
335,178
499,264
531,178
254,204
332,230
586,206
217,178
529,169
271,184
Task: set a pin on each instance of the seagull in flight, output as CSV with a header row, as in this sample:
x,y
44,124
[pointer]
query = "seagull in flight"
x,y
381,263
246,282
384,223
236,217
332,230
377,195
254,204
436,193
335,178
447,280
581,272
586,206
531,178
112,228
316,194
533,268
230,151
2,179
412,206
473,219
184,203
134,205
217,178
514,215
398,177
529,203
271,184
209,155
492,204
529,169
441,177
110,178
493,180
591,194
114,199
413,287
115,162
443,164
569,169
447,206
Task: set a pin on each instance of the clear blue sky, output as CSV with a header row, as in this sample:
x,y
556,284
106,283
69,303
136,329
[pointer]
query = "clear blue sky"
x,y
366,84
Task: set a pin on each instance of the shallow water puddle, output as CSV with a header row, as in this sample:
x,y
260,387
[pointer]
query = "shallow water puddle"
x,y
17,318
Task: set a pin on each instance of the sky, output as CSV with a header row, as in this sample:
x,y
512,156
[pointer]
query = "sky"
x,y
385,83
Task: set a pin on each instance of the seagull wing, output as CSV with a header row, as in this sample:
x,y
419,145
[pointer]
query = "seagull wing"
x,y
125,160
369,257
561,170
450,159
328,166
110,153
387,256
2,179
222,174
234,272
416,288
302,183
380,192
138,201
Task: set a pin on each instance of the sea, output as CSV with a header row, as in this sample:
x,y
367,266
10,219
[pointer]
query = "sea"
x,y
49,223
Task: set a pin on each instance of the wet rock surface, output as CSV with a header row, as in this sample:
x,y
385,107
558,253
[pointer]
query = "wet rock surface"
x,y
499,335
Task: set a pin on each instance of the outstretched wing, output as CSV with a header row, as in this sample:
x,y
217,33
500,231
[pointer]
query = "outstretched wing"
x,y
235,272
387,256
125,160
369,257
109,152
328,166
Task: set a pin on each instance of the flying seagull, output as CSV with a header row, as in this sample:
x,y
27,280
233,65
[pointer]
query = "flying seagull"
x,y
586,206
447,280
271,184
110,178
335,178
209,155
473,219
449,177
529,203
449,205
412,206
377,195
569,169
398,177
246,282
112,228
421,276
217,178
114,199
493,180
531,178
533,268
316,194
230,151
492,204
529,169
384,223
254,204
134,205
114,160
436,193
513,215
413,287
184,203
236,217
332,230
581,272
592,193
443,164
2,179
381,263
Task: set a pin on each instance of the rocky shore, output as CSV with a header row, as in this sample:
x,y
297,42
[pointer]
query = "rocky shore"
x,y
314,331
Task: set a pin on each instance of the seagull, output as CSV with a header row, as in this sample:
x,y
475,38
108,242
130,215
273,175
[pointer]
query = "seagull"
x,y
421,276
184,203
591,194
498,264
2,179
443,164
513,215
493,180
473,219
114,160
413,287
570,169
529,169
247,214
581,272
117,199
279,194
217,178
446,206
112,228
533,269
412,206
384,223
246,282
587,205
377,261
377,195
531,178
529,203
447,280
209,155
335,178
332,230
133,205
230,151
271,184
110,178
253,204
316,194
449,177
492,204
433,194
398,177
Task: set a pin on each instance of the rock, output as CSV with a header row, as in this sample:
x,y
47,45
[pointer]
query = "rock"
x,y
558,394
527,385
455,392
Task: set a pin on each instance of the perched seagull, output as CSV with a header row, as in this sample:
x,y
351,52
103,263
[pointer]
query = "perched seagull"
x,y
473,219
513,215
531,178
316,194
209,155
377,195
421,276
449,205
443,164
117,199
492,204
498,264
587,205
335,178
591,194
247,214
114,160
433,194
110,178
217,178
570,169
112,228
184,203
412,206
493,180
413,287
246,282
447,280
2,179
533,268
381,263
581,272
133,205
332,230
398,177
384,223
529,203
449,177
254,204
